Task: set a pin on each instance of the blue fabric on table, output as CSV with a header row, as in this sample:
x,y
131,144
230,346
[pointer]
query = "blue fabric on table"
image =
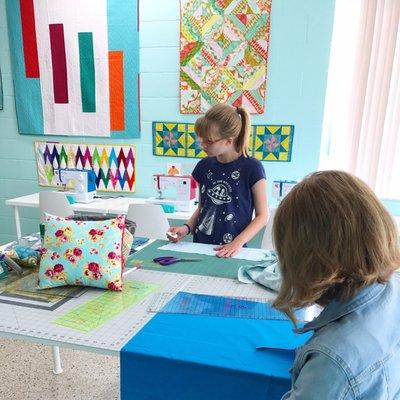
x,y
181,356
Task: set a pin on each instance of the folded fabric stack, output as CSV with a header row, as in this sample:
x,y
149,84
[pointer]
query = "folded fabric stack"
x,y
24,256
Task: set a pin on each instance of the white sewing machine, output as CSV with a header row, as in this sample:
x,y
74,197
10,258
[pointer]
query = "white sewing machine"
x,y
185,187
78,183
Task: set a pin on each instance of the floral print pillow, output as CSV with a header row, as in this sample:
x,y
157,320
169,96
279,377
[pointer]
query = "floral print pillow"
x,y
87,253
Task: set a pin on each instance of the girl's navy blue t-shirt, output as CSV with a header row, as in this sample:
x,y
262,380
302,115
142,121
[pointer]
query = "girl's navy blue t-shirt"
x,y
226,198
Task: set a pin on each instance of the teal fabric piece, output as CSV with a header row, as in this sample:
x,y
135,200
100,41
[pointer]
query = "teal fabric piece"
x,y
168,208
25,252
87,76
28,97
71,199
201,357
208,266
87,253
267,273
1,91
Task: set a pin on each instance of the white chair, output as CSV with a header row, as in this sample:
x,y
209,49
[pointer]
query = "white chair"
x,y
55,203
150,219
267,242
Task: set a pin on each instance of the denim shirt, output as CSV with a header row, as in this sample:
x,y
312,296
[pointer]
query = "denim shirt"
x,y
355,350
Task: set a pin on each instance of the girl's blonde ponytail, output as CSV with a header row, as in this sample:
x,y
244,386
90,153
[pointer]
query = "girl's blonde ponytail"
x,y
242,141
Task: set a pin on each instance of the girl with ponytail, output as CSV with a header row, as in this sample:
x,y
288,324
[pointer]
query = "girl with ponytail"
x,y
232,184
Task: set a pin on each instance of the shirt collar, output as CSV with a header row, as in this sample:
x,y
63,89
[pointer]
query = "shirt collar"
x,y
336,309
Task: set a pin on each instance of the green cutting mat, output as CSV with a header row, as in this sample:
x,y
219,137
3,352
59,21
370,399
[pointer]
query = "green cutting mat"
x,y
209,266
101,309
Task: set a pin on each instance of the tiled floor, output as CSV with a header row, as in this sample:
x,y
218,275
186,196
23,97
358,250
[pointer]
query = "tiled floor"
x,y
26,373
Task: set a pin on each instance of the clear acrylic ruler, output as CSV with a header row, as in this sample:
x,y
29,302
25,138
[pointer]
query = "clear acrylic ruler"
x,y
217,306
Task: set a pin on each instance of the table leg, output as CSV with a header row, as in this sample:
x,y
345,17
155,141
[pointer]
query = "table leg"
x,y
17,222
56,360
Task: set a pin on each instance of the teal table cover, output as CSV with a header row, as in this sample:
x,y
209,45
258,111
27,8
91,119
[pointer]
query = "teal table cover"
x,y
202,357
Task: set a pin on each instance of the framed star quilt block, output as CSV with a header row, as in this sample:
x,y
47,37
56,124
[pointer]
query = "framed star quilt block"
x,y
266,142
169,139
273,142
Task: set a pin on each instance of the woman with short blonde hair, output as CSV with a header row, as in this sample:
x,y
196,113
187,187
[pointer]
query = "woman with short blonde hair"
x,y
339,247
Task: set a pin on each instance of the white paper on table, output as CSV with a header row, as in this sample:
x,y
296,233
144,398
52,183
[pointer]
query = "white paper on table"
x,y
246,253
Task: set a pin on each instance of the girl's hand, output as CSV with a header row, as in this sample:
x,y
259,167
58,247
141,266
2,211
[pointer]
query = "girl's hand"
x,y
228,250
177,233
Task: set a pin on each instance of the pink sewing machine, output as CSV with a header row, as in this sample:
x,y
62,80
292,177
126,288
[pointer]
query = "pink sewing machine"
x,y
183,185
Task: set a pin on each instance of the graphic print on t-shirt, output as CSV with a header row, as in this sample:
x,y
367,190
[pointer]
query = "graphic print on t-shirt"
x,y
219,194
207,224
226,199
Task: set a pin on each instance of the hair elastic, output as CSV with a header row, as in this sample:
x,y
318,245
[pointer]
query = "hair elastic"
x,y
190,230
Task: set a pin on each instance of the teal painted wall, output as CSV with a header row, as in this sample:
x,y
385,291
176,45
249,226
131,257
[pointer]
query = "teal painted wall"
x,y
298,62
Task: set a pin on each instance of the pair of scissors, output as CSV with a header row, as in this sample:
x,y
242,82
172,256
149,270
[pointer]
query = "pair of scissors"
x,y
168,260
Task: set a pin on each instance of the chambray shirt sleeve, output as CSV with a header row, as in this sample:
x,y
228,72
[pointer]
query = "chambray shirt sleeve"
x,y
320,378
